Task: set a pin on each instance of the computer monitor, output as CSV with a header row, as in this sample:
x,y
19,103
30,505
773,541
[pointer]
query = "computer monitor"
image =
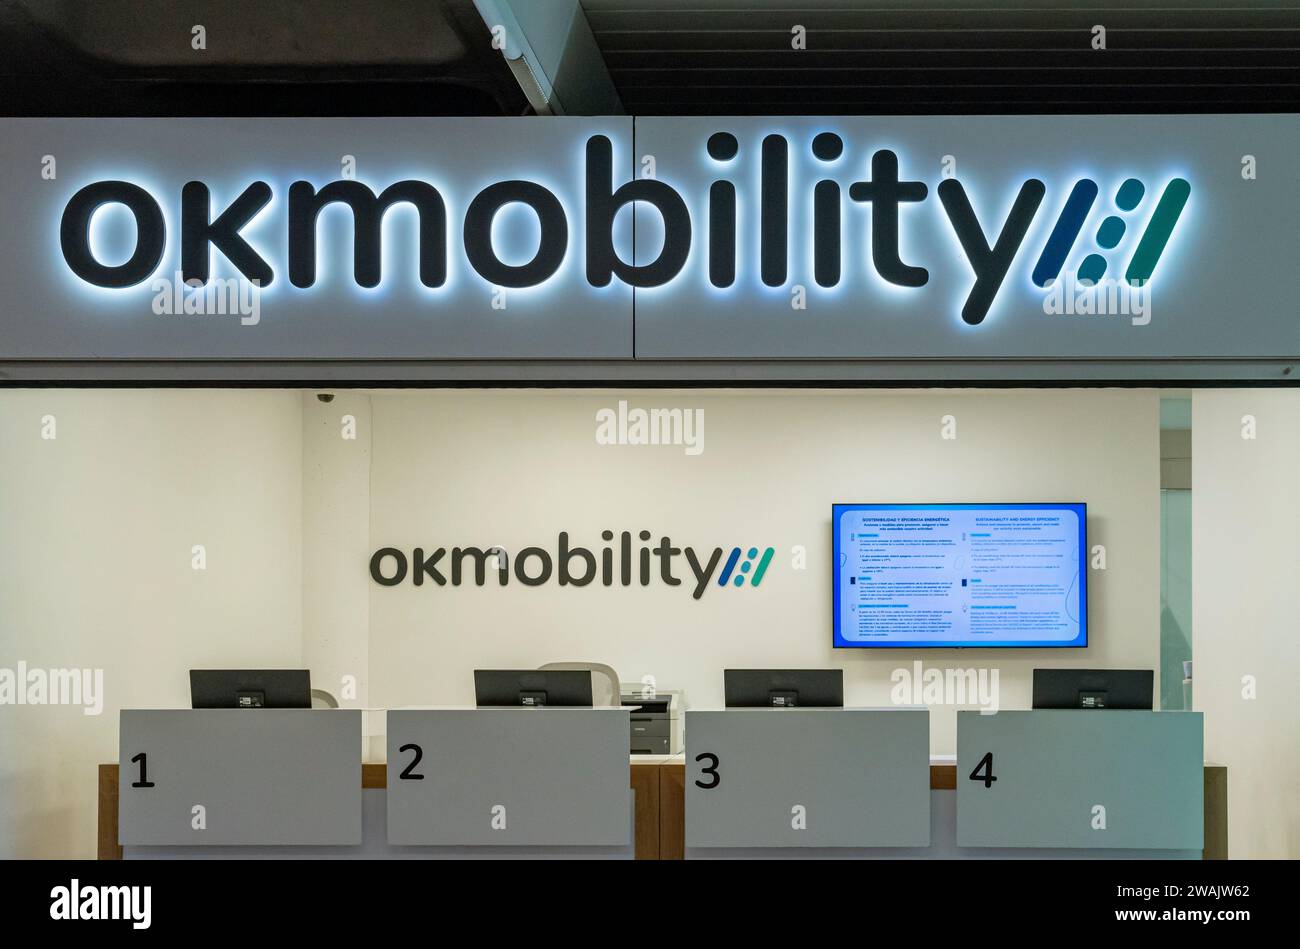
x,y
250,688
783,688
531,688
1094,688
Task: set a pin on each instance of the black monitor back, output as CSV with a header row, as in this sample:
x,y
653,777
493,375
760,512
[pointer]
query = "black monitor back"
x,y
1094,688
783,688
532,688
250,688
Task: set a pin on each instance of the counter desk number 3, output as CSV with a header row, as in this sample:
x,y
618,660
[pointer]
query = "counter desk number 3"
x,y
711,770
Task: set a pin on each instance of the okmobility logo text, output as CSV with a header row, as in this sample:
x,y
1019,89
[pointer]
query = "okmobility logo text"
x,y
989,247
623,562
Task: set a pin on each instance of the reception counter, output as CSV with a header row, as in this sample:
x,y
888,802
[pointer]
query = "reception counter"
x,y
234,778
785,783
228,783
1068,784
807,778
547,777
1116,782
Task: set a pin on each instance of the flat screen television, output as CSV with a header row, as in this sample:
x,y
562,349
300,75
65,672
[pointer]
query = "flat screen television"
x,y
945,576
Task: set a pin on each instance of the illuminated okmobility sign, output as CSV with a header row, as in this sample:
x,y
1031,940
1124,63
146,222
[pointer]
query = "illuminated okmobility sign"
x,y
989,247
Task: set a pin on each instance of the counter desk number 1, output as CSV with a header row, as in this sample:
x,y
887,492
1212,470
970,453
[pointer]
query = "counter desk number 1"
x,y
142,759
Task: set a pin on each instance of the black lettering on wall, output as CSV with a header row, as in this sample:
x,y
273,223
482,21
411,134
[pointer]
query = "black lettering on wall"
x,y
428,565
551,247
603,263
884,192
774,213
197,232
989,263
306,204
521,566
150,234
377,563
722,147
478,555
566,556
827,147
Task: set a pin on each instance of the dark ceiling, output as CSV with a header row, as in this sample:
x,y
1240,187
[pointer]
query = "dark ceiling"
x,y
941,56
433,57
263,57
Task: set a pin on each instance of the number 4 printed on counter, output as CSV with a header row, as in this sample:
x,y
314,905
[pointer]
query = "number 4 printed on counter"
x,y
986,763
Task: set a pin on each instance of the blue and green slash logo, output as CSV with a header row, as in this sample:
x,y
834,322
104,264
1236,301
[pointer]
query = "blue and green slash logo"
x,y
755,577
1150,246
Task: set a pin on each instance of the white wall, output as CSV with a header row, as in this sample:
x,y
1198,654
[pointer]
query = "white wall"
x,y
97,526
1246,607
1175,595
96,529
336,532
516,467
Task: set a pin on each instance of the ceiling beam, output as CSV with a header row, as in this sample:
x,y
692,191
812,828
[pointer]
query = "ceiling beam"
x,y
553,54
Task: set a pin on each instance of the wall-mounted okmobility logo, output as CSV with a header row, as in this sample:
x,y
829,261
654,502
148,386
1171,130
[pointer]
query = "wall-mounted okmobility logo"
x,y
989,247
624,563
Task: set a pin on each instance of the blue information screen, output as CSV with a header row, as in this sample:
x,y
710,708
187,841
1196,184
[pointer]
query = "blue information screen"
x,y
960,575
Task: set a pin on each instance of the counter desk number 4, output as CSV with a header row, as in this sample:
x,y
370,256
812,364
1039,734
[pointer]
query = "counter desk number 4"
x,y
984,770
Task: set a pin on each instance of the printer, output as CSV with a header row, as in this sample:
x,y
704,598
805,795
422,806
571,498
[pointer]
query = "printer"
x,y
656,719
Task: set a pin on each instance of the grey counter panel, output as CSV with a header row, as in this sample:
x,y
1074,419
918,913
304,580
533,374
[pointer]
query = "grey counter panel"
x,y
943,846
560,774
862,776
264,777
375,846
1054,767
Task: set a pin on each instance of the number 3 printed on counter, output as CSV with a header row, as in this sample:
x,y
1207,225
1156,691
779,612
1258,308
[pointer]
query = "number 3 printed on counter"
x,y
711,771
